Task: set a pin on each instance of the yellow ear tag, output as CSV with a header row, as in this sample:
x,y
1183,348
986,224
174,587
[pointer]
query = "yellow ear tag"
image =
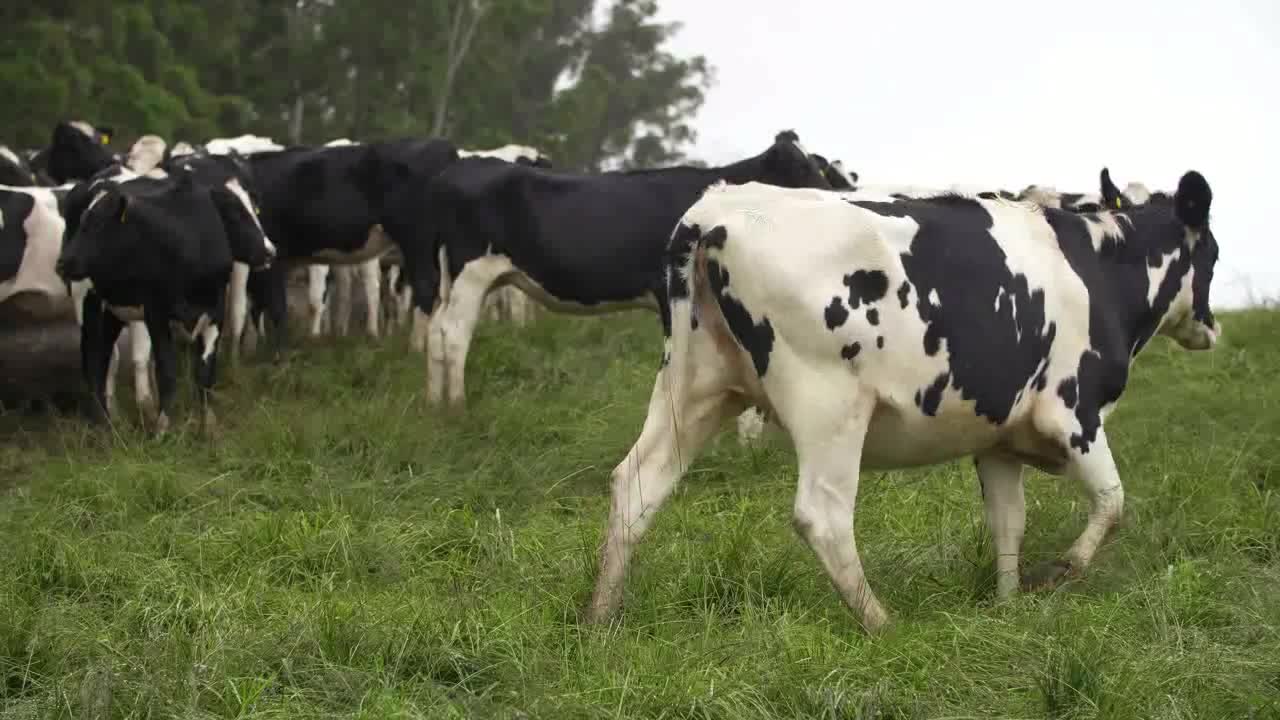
x,y
1117,203
106,139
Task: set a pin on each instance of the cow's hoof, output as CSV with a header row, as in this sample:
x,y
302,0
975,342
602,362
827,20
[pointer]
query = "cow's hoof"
x,y
1046,576
162,424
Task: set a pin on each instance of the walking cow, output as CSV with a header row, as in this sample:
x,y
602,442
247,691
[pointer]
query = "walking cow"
x,y
911,332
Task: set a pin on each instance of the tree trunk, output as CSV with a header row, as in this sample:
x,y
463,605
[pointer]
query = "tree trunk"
x,y
460,34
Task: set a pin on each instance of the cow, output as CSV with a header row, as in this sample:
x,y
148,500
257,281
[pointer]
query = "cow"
x,y
30,240
329,205
518,154
751,424
836,175
232,172
336,307
14,171
583,244
906,333
76,151
158,249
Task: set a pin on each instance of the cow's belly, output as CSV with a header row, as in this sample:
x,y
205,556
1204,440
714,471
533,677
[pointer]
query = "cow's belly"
x,y
375,245
569,307
898,438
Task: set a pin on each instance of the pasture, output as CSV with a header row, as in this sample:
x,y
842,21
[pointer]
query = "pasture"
x,y
342,551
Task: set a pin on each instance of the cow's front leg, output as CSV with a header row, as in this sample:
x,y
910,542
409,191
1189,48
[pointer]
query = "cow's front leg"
x,y
97,350
204,363
166,364
238,290
1095,470
143,377
1000,480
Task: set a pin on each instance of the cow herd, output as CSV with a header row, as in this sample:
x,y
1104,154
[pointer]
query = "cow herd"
x,y
878,326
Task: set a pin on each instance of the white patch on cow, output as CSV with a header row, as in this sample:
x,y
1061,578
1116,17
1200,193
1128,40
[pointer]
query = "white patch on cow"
x,y
1155,275
934,300
340,142
209,334
1137,193
244,145
37,286
9,155
509,153
1103,226
146,154
238,190
182,149
84,127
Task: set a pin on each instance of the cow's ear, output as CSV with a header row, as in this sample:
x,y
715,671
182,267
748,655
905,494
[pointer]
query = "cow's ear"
x,y
1112,198
1193,199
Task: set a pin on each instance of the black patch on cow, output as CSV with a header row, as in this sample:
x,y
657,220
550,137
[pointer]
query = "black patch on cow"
x,y
835,314
904,293
866,286
994,324
850,351
931,397
715,237
1068,391
679,250
17,207
988,195
880,342
755,338
873,316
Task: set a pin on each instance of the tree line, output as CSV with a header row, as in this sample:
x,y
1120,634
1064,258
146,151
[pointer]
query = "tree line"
x,y
591,86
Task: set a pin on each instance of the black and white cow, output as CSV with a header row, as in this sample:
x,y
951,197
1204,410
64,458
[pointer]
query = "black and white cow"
x,y
328,205
76,151
896,334
159,249
836,175
30,240
14,171
583,244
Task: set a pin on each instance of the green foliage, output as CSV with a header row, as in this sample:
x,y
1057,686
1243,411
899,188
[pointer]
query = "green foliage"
x,y
345,552
536,72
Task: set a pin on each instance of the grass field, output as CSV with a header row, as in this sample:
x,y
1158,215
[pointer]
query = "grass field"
x,y
343,553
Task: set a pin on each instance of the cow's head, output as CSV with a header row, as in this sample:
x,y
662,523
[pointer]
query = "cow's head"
x,y
97,211
787,164
249,243
75,155
1189,321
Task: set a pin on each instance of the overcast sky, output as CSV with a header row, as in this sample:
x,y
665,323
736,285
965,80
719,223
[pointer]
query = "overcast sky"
x,y
1010,93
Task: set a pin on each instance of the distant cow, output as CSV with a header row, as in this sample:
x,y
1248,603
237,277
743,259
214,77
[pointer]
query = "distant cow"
x,y
584,244
896,334
834,172
159,249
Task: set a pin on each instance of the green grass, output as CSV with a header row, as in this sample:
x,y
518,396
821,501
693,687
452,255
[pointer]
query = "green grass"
x,y
343,552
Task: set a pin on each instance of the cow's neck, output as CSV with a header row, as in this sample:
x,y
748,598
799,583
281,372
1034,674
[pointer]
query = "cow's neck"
x,y
741,172
1144,269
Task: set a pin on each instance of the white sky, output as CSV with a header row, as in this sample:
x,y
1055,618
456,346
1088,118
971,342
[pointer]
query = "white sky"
x,y
1008,92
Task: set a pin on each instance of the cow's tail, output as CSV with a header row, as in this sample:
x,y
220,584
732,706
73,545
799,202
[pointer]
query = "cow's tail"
x,y
691,306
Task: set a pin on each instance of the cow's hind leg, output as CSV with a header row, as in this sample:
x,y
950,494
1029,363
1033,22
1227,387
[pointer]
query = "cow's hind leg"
x,y
1096,471
828,437
143,377
371,279
679,423
317,296
1000,479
